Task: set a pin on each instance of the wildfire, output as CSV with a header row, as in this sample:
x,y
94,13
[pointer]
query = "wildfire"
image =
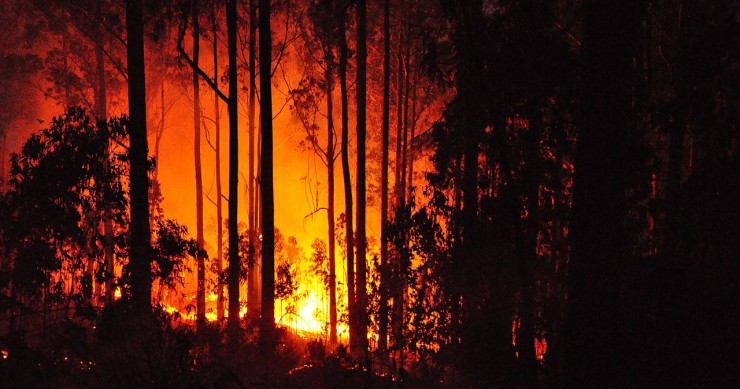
x,y
308,317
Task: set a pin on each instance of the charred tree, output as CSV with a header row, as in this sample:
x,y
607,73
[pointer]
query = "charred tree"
x,y
348,205
330,159
267,327
385,145
234,262
219,192
200,307
139,263
253,292
598,235
361,293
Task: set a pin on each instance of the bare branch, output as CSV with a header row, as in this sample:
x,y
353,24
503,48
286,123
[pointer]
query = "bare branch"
x,y
196,68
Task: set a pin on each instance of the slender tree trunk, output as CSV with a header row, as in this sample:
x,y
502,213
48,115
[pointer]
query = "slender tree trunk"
x,y
101,111
362,314
219,199
200,304
398,186
268,206
330,158
412,134
234,263
253,293
598,234
140,259
405,141
348,205
160,130
526,242
398,195
383,309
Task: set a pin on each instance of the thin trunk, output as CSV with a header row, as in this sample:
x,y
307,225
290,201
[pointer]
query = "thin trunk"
x,y
597,231
253,294
160,130
101,111
412,134
350,246
258,189
397,316
139,262
219,199
200,307
362,315
330,202
267,326
405,141
234,263
383,309
398,187
399,300
526,245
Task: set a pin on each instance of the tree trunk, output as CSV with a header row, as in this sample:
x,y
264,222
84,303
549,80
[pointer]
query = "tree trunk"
x,y
140,259
348,205
526,249
234,263
253,293
101,111
398,187
398,195
219,199
268,207
383,309
200,307
361,293
330,203
598,235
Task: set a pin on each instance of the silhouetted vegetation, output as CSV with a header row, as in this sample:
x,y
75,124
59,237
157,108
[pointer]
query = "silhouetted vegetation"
x,y
535,194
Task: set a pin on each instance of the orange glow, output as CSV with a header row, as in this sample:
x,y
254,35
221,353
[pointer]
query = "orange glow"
x,y
540,346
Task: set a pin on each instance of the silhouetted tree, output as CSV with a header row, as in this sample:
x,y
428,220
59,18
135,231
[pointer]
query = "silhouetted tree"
x,y
139,262
266,179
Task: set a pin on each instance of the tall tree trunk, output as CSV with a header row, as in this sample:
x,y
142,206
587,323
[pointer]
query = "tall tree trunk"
x,y
268,205
253,293
234,263
348,205
362,314
140,259
200,304
330,158
383,309
398,195
160,130
219,199
101,111
412,133
598,235
526,250
398,185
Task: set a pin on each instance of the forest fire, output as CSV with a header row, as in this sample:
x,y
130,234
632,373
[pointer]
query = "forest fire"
x,y
351,193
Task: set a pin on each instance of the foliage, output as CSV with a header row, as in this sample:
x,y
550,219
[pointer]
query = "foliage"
x,y
62,185
67,180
